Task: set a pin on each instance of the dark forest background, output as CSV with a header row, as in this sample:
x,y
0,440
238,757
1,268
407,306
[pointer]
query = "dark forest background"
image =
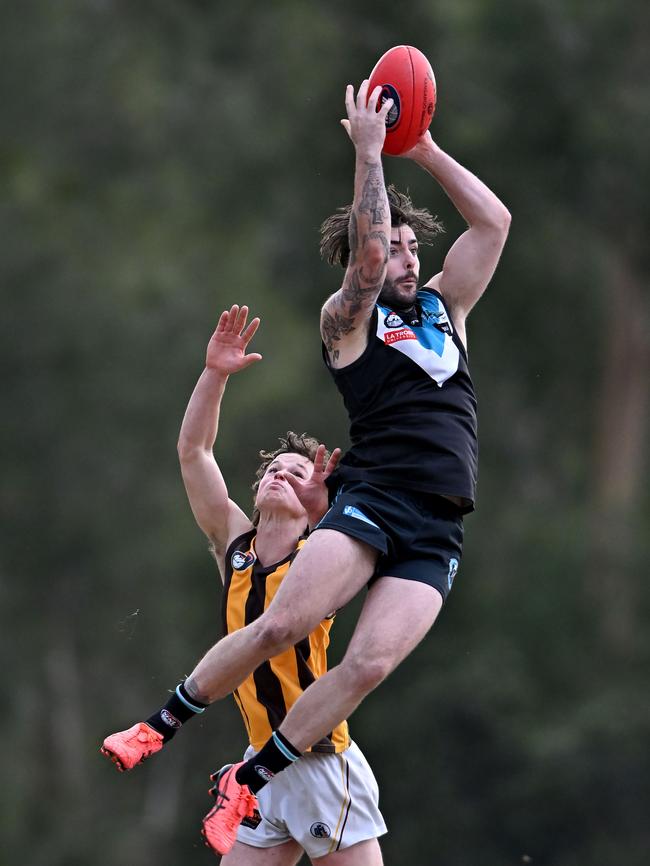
x,y
162,160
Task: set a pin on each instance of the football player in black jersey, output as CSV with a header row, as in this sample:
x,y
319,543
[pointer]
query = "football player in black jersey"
x,y
398,354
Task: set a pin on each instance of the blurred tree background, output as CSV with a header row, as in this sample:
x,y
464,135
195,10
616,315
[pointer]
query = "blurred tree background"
x,y
162,160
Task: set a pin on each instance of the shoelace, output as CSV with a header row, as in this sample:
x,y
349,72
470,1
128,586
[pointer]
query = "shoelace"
x,y
245,807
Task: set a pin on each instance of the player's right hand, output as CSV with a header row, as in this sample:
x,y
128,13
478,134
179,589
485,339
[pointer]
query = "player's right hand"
x,y
226,351
312,492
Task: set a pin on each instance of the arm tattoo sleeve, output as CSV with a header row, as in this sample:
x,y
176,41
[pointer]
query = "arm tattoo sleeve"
x,y
368,232
353,237
335,325
373,198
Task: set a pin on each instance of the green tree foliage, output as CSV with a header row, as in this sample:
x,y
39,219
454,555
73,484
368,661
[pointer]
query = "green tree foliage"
x,y
160,161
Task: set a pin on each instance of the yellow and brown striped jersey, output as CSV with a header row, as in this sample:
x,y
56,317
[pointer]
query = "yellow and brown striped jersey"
x,y
266,696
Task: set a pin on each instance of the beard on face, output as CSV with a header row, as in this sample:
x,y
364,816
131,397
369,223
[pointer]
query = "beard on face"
x,y
396,296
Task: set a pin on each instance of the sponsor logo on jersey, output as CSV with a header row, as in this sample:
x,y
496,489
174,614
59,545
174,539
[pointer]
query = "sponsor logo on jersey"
x,y
453,570
392,320
264,772
240,561
169,720
320,830
396,336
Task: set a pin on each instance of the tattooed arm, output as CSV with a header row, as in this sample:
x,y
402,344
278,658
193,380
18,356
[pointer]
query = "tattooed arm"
x,y
345,316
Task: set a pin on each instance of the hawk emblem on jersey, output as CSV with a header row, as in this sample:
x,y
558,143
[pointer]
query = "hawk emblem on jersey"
x,y
240,561
320,830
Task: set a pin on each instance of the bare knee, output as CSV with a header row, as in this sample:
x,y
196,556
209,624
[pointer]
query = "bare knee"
x,y
275,633
363,674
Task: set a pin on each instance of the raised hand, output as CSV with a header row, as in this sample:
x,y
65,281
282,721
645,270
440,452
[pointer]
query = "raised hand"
x,y
365,125
226,351
422,146
312,492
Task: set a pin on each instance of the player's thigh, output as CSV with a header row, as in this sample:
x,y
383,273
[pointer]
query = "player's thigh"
x,y
329,571
367,853
286,854
395,617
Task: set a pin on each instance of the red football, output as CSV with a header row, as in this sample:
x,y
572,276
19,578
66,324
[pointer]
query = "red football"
x,y
405,76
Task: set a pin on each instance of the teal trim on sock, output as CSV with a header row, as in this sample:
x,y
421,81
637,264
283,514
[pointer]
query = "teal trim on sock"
x,y
283,749
187,703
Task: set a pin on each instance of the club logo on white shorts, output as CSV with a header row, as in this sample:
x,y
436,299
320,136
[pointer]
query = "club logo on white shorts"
x,y
253,821
320,830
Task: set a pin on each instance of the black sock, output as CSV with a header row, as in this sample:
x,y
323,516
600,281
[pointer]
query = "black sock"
x,y
275,755
180,708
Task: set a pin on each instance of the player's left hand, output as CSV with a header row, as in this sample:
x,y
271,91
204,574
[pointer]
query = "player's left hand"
x,y
312,492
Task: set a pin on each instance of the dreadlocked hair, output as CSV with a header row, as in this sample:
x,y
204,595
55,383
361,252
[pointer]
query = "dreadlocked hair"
x,y
292,443
335,242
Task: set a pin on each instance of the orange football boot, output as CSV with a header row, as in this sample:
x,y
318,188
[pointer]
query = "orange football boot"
x,y
128,748
234,803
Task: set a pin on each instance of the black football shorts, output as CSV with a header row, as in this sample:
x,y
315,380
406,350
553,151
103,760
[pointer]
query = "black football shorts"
x,y
419,537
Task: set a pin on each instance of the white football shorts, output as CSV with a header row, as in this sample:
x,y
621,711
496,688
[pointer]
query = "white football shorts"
x,y
325,802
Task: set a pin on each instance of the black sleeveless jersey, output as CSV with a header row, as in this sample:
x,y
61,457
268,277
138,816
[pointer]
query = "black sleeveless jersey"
x,y
411,405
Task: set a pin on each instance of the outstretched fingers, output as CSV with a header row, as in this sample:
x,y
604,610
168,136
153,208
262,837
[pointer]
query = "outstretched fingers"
x,y
374,98
320,469
252,358
319,459
233,321
248,334
385,107
333,462
362,94
349,100
240,319
222,324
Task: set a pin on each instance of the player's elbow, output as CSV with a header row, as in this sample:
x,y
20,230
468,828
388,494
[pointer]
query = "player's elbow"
x,y
496,226
370,264
375,252
188,451
502,220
